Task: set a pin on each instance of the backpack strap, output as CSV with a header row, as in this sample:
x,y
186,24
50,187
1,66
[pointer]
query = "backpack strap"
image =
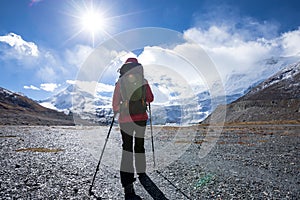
x,y
144,92
123,93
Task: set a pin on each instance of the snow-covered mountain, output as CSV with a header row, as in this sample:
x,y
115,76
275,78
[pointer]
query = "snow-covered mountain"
x,y
93,100
276,99
282,85
238,84
84,99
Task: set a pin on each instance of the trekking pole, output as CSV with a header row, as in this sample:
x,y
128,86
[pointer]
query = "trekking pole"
x,y
177,189
152,135
97,169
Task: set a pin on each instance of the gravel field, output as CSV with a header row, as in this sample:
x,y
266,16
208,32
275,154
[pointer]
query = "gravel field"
x,y
246,162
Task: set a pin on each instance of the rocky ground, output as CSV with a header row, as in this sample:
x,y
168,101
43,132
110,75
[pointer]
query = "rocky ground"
x,y
245,162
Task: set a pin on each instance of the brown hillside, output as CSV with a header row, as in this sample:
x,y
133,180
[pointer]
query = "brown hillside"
x,y
276,99
16,109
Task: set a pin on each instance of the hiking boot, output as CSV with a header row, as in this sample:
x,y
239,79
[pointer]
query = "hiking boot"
x,y
130,194
129,191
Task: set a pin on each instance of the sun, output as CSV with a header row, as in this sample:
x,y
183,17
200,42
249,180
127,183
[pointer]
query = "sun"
x,y
93,21
89,20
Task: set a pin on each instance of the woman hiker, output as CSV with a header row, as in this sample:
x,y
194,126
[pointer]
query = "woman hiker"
x,y
131,96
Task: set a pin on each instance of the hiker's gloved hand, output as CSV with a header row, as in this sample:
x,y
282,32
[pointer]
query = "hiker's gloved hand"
x,y
116,116
116,113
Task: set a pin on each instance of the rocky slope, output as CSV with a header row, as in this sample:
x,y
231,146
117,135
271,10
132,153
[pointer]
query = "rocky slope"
x,y
16,109
275,99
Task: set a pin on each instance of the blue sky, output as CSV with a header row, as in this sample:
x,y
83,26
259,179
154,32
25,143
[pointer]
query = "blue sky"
x,y
44,42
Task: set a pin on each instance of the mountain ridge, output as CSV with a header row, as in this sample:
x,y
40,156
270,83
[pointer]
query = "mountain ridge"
x,y
16,109
275,99
96,106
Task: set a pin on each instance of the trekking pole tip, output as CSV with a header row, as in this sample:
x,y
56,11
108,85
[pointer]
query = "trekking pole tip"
x,y
91,192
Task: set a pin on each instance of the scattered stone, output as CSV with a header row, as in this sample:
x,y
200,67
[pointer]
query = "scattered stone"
x,y
75,190
54,163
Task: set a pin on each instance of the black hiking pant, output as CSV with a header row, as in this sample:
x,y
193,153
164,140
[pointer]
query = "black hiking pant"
x,y
132,135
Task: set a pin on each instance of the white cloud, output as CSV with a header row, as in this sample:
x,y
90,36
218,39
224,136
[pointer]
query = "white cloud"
x,y
31,87
229,16
232,52
43,64
101,87
92,87
47,74
171,76
290,42
22,47
49,87
102,62
78,55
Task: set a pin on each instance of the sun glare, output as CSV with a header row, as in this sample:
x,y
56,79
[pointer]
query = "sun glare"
x,y
93,22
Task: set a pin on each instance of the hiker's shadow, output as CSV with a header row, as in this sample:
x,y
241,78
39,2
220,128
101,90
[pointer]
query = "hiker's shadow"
x,y
151,188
